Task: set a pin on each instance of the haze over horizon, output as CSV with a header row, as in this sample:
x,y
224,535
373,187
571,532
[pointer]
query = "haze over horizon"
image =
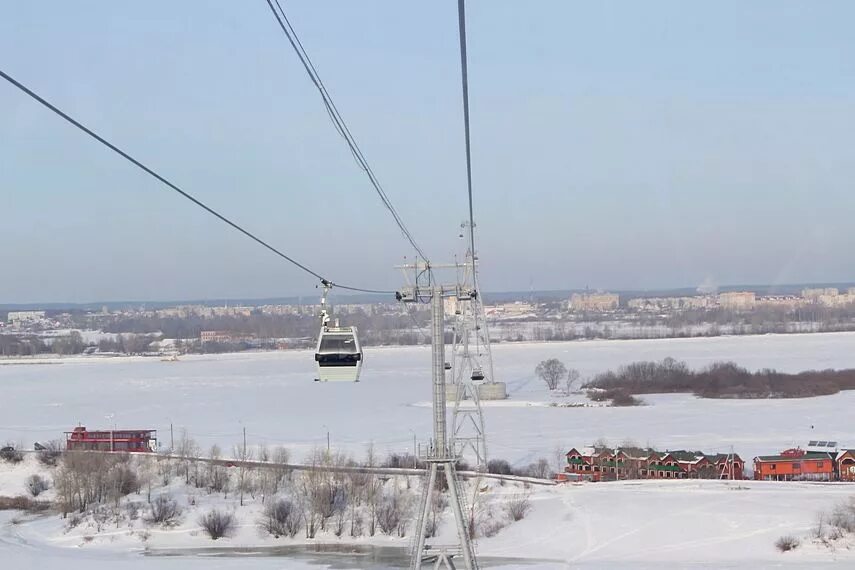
x,y
616,146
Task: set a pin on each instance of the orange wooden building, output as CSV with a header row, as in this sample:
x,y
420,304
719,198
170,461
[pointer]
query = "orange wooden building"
x,y
796,465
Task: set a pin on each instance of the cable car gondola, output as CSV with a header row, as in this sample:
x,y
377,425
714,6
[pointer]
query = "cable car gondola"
x,y
338,354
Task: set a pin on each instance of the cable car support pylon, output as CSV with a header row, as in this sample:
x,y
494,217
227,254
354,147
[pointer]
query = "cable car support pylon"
x,y
440,457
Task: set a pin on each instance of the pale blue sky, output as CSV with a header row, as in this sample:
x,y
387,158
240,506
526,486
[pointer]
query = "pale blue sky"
x,y
615,144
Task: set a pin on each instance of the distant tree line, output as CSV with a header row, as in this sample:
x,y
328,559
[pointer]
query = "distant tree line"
x,y
719,380
73,343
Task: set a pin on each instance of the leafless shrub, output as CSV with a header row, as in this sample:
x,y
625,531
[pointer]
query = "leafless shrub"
x,y
282,517
819,529
490,527
391,512
36,484
10,454
50,454
842,517
22,503
787,543
218,524
164,511
517,507
132,509
73,522
122,480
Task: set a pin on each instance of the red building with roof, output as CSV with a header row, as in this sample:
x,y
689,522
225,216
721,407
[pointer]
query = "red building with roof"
x,y
604,464
845,460
121,440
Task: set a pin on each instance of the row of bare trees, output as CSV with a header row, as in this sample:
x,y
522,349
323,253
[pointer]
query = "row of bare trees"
x,y
321,499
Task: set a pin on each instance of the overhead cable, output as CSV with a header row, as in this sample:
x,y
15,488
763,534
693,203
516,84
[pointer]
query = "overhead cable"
x,y
174,187
464,73
336,118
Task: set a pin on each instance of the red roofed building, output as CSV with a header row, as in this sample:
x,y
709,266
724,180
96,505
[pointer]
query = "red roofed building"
x,y
604,464
845,460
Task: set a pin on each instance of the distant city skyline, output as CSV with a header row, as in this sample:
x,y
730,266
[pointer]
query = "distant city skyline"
x,y
625,146
491,296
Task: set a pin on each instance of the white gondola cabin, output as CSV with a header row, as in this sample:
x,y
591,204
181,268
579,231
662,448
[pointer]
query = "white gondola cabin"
x,y
338,355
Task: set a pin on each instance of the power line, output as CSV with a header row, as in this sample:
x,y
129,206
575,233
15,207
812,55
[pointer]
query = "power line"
x,y
174,187
337,119
464,73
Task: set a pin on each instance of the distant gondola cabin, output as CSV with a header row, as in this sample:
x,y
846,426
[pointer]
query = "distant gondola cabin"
x,y
120,440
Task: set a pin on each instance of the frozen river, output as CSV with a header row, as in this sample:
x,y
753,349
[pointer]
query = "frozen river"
x,y
273,396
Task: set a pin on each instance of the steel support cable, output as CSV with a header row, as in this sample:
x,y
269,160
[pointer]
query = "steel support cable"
x,y
337,119
464,74
174,187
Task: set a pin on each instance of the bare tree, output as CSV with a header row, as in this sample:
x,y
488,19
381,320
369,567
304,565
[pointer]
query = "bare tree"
x,y
187,449
373,488
146,474
392,512
50,453
572,381
356,484
438,504
540,469
217,477
551,371
243,454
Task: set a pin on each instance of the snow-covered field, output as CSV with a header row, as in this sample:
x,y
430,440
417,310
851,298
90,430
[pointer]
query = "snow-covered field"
x,y
632,525
272,394
649,524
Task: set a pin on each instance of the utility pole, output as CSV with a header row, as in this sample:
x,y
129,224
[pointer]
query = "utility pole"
x,y
171,439
244,442
328,442
439,456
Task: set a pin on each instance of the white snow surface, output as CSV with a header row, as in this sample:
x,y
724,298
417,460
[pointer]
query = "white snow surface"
x,y
272,394
649,524
674,524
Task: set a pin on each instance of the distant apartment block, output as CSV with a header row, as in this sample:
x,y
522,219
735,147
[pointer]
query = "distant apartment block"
x,y
594,302
829,296
784,301
22,317
215,336
658,304
737,300
517,310
816,294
